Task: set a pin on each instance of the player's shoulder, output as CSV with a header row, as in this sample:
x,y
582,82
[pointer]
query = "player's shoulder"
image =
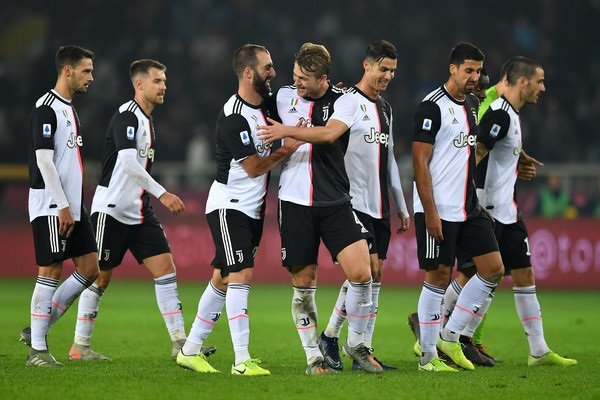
x,y
436,96
286,91
129,107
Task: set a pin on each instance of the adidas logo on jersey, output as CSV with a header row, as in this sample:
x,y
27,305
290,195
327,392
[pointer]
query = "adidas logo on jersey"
x,y
366,118
454,121
292,110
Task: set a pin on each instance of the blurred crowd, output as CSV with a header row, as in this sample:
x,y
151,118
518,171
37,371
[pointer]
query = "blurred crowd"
x,y
196,39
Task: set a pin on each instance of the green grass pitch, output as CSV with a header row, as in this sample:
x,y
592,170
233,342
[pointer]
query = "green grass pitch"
x,y
131,331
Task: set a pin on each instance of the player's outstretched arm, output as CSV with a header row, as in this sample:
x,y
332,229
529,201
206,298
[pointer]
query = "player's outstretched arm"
x,y
316,134
256,165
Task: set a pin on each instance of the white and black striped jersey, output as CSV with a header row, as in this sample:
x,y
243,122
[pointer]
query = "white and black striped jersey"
x,y
117,194
237,140
369,158
451,127
314,175
496,174
55,126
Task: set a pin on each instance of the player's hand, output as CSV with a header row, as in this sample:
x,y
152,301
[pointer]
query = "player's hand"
x,y
172,202
66,223
404,222
527,166
270,133
433,223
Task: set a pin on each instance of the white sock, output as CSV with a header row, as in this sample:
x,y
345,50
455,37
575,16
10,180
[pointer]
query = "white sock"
x,y
66,294
236,302
375,289
170,305
87,311
430,320
209,310
530,315
41,309
449,300
358,305
469,303
304,313
338,315
477,318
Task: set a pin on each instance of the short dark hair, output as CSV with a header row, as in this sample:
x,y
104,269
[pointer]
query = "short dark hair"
x,y
142,66
313,58
521,66
465,51
507,64
381,49
245,56
70,55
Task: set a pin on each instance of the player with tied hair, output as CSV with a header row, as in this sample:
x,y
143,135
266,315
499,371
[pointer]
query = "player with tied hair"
x,y
60,223
373,175
314,204
448,217
235,211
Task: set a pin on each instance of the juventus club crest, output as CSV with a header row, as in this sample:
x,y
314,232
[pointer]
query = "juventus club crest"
x,y
325,112
106,254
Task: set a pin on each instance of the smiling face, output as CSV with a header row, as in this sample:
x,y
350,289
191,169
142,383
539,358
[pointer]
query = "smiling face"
x,y
307,83
79,77
379,73
264,72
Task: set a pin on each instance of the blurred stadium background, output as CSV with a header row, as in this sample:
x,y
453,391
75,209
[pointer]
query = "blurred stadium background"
x,y
196,39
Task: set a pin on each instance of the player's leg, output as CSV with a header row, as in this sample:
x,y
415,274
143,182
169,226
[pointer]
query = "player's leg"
x,y
476,238
49,253
344,235
515,250
149,245
111,241
329,339
434,259
87,312
81,247
299,250
209,311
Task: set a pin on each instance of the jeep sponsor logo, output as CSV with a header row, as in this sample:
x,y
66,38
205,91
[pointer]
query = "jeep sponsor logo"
x,y
464,140
377,137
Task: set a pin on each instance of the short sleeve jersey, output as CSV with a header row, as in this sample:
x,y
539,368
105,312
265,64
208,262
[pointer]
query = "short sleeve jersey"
x,y
117,194
370,148
55,126
314,175
237,140
496,176
451,127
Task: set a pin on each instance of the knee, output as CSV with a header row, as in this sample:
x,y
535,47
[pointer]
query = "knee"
x,y
359,276
439,277
103,279
306,276
494,272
